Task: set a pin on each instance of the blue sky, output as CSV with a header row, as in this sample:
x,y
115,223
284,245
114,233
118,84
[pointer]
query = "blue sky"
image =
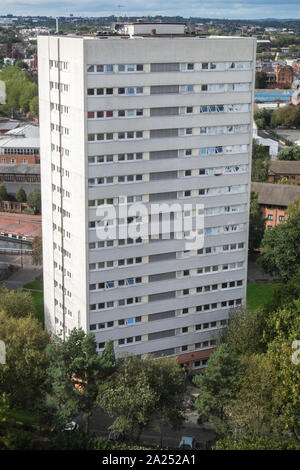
x,y
207,9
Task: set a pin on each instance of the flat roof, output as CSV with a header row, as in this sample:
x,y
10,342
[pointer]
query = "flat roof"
x,y
29,226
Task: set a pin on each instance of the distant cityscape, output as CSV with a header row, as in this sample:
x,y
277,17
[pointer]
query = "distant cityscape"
x,y
104,116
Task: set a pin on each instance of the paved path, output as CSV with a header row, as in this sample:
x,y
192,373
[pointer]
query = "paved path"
x,y
29,273
100,422
23,276
255,273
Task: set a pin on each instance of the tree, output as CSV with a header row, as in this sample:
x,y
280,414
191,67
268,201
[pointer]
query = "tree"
x,y
252,442
16,303
285,180
75,372
23,376
29,91
244,332
37,251
281,250
21,64
21,195
260,80
256,223
254,409
286,116
260,162
20,88
143,390
34,106
262,118
293,208
34,200
3,193
218,387
291,153
4,409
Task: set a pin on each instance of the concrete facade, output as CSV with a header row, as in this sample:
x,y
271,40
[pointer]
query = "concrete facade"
x,y
126,117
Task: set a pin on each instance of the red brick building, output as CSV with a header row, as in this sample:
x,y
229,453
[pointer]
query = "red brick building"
x,y
273,200
280,76
284,169
20,145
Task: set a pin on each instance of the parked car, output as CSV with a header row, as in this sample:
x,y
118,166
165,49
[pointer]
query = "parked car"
x,y
187,442
116,436
72,426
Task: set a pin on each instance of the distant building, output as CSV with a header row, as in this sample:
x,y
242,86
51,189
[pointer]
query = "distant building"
x,y
271,144
20,226
284,76
7,125
15,176
20,145
160,119
284,169
273,200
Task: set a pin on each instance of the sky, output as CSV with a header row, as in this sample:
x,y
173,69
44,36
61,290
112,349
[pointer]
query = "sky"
x,y
231,9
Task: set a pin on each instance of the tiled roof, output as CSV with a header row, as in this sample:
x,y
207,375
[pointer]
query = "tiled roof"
x,y
276,194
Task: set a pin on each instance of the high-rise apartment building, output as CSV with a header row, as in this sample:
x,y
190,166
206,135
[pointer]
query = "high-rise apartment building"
x,y
151,117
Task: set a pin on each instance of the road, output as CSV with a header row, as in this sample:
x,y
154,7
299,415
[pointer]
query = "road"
x,y
100,422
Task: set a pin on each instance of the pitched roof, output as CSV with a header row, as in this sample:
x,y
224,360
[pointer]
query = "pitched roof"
x,y
285,167
276,194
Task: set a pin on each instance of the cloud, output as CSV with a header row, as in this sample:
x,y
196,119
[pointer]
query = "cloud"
x,y
213,8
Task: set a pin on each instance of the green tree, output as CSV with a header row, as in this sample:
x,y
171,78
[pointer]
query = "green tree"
x,y
281,250
260,80
252,442
285,180
256,223
34,200
23,376
21,195
293,208
260,162
37,251
16,303
286,116
218,387
21,64
75,372
289,153
262,118
28,92
244,332
3,193
144,390
254,409
34,106
20,88
4,410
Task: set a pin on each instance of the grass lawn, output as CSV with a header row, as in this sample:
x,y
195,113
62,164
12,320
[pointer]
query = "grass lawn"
x,y
36,285
259,294
38,298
